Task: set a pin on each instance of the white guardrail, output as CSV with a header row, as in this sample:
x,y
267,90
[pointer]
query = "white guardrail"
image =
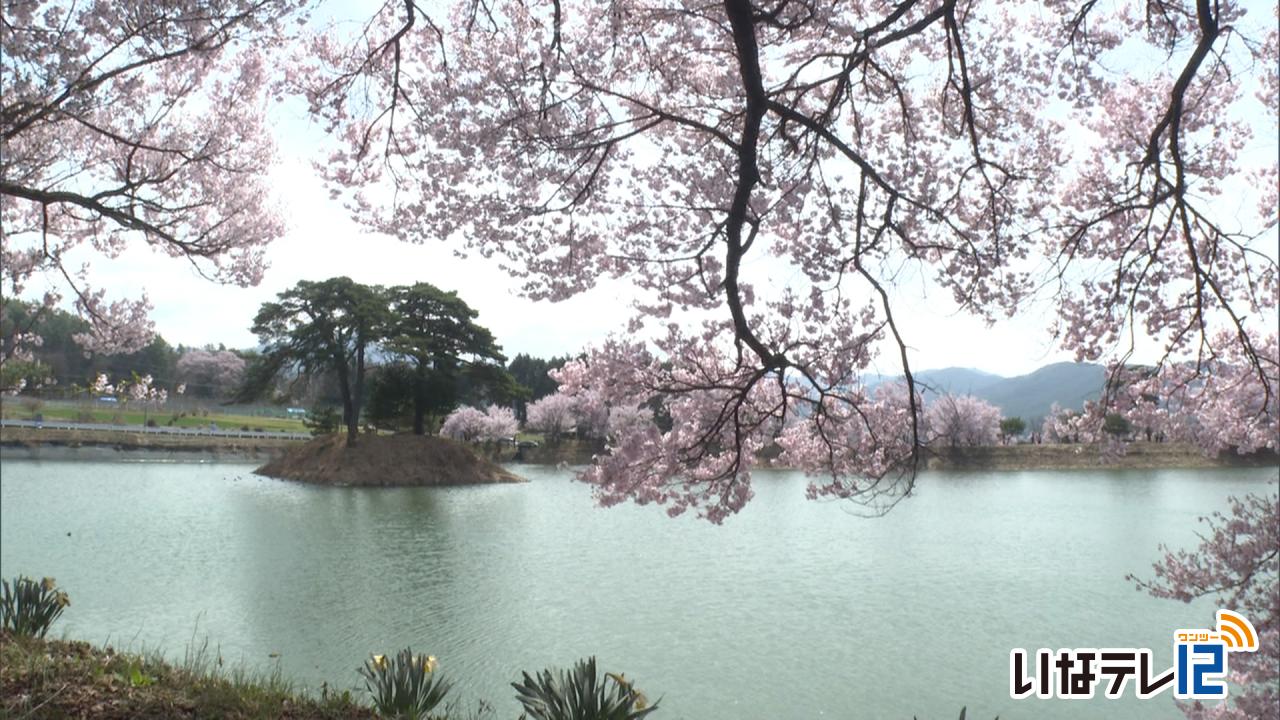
x,y
158,430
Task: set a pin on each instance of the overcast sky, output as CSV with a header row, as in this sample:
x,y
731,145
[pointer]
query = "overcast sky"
x,y
322,242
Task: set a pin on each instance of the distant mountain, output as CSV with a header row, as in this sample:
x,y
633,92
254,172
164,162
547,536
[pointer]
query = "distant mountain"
x,y
956,381
1030,396
1027,396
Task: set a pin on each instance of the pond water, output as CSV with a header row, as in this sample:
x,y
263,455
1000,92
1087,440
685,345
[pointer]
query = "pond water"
x,y
793,609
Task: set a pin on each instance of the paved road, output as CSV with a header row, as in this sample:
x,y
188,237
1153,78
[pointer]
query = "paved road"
x,y
159,430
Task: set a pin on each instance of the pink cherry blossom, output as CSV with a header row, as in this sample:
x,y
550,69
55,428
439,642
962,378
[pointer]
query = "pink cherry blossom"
x,y
962,420
137,124
500,423
699,153
1226,403
1238,565
466,423
553,415
214,373
473,425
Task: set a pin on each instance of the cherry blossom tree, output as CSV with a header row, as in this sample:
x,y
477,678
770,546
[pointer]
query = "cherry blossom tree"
x,y
133,123
700,150
1238,565
1220,404
862,444
211,373
474,425
776,171
136,390
1071,426
500,423
956,420
553,415
465,423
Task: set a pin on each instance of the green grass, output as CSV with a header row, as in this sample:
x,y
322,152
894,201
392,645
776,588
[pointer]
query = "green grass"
x,y
124,415
57,678
72,679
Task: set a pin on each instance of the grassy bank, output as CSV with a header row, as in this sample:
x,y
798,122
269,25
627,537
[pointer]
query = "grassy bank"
x,y
136,439
56,679
1138,455
65,679
125,416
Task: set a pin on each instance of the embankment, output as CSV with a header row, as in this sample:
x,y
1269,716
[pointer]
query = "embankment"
x,y
50,443
1139,455
57,443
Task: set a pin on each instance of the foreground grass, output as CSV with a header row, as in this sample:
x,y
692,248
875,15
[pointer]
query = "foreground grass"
x,y
65,679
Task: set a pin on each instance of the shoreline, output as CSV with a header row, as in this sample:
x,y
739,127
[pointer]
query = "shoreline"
x,y
63,444
1136,456
107,445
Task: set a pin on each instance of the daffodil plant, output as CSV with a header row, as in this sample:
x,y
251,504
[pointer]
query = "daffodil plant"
x,y
581,694
406,686
28,607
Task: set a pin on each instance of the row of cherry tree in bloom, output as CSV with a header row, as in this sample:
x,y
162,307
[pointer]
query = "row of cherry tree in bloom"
x,y
946,421
58,365
217,373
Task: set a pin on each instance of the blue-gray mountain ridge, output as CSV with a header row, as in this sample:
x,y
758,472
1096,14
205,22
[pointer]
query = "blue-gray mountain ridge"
x,y
1026,396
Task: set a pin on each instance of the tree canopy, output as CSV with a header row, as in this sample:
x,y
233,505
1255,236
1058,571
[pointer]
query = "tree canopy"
x,y
435,353
138,124
326,325
533,373
1012,427
435,332
59,361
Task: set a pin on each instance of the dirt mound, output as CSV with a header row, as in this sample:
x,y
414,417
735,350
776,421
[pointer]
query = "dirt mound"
x,y
385,460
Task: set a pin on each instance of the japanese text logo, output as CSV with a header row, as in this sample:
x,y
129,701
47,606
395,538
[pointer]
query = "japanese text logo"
x,y
1199,670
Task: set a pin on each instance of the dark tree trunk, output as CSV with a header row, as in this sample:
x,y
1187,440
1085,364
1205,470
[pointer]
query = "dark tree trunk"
x,y
420,400
419,416
348,406
357,399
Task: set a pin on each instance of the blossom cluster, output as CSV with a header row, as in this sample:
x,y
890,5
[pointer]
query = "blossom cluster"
x,y
471,424
215,372
1238,565
147,131
136,389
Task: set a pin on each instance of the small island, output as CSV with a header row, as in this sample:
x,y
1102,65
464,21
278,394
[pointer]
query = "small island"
x,y
386,461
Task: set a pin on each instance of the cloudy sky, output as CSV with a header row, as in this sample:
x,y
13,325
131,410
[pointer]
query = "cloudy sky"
x,y
322,242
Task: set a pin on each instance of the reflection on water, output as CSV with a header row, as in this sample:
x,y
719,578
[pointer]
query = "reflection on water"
x,y
794,609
